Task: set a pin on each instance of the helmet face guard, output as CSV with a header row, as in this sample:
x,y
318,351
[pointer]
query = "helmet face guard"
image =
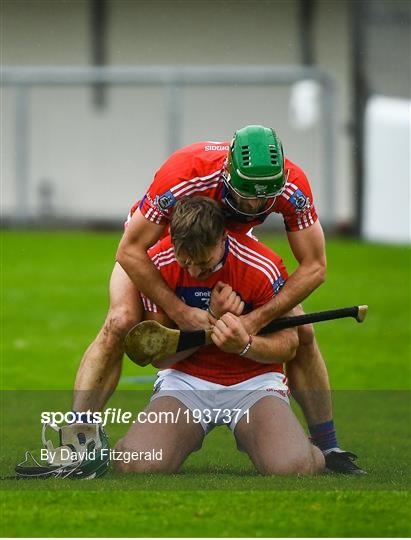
x,y
255,168
231,202
89,445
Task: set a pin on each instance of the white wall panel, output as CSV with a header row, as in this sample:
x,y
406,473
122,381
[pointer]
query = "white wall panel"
x,y
387,189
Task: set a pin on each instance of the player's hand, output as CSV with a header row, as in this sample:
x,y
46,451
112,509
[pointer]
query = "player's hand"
x,y
229,334
225,300
192,318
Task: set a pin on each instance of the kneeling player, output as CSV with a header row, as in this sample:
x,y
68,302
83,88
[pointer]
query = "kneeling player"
x,y
238,381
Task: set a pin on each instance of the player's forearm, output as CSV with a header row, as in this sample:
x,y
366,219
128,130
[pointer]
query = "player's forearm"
x,y
148,280
274,348
299,285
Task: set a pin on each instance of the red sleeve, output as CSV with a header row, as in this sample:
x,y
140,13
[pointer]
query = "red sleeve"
x,y
271,285
296,202
260,273
193,170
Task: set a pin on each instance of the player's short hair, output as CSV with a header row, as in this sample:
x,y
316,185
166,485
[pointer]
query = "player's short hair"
x,y
197,224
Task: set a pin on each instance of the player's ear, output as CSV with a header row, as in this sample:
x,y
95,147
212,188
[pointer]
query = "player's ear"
x,y
224,238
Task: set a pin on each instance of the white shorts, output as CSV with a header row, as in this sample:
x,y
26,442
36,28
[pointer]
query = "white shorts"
x,y
214,404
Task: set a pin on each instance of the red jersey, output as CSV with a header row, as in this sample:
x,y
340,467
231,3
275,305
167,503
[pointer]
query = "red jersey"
x,y
197,170
254,271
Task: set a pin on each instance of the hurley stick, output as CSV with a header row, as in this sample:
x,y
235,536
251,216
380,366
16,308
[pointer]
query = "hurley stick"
x,y
150,341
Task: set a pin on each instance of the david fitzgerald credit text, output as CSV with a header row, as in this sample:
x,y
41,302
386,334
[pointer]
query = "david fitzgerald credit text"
x,y
126,456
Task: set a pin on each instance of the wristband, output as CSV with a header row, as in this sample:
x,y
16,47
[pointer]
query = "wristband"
x,y
247,347
211,313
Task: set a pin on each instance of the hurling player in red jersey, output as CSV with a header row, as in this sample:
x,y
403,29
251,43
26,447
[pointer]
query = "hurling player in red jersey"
x,y
250,178
239,380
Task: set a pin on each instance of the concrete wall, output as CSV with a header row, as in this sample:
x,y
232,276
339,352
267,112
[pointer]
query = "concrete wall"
x,y
99,160
43,32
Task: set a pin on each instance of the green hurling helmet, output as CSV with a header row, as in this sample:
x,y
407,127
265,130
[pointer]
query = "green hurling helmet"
x,y
83,453
255,167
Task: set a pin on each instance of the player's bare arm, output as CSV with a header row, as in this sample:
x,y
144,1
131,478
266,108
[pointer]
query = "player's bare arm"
x,y
230,335
139,236
308,247
225,300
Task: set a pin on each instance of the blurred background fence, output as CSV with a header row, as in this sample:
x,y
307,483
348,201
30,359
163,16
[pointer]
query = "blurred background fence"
x,y
72,163
97,93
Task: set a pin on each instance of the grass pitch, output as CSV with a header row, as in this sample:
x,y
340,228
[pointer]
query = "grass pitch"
x,y
54,288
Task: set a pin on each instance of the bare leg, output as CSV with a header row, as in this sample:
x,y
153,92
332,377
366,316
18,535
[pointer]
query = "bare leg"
x,y
176,439
275,441
308,379
100,368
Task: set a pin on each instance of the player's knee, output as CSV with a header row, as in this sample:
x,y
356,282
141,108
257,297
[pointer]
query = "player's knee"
x,y
144,467
119,464
118,323
318,460
298,464
130,460
157,467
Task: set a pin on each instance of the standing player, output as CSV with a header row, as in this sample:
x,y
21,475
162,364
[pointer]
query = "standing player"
x,y
238,381
249,178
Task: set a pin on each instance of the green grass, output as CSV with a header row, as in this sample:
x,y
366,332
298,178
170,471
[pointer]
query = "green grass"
x,y
249,514
54,298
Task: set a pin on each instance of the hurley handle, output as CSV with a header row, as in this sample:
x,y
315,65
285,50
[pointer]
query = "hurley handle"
x,y
189,340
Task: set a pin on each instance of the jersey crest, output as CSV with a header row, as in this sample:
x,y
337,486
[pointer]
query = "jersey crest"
x,y
166,201
300,201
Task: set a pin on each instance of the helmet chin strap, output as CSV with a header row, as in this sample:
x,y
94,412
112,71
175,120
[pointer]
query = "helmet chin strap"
x,y
230,203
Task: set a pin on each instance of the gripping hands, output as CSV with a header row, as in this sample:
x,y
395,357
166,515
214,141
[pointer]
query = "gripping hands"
x,y
226,306
229,334
225,300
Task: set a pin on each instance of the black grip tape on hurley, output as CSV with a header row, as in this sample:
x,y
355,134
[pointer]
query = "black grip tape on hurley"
x,y
189,340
